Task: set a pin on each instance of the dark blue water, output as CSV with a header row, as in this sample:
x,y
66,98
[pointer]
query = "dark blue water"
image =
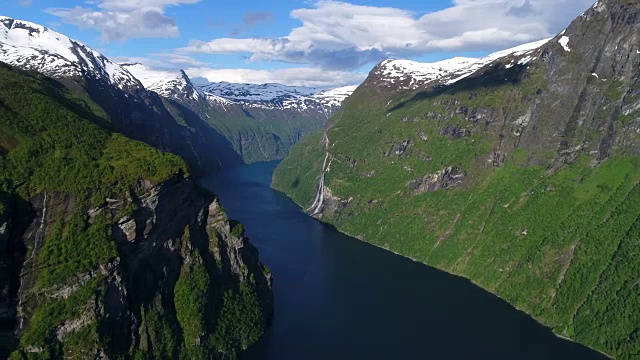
x,y
339,298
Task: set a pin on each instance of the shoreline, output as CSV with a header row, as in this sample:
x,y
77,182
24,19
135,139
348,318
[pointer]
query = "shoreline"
x,y
448,272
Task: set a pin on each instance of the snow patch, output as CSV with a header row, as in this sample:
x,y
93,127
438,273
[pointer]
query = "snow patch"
x,y
408,74
564,41
335,97
418,73
170,83
278,96
34,47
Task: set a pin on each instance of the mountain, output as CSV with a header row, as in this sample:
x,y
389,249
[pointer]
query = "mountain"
x,y
175,84
170,84
33,47
397,75
261,121
211,125
109,249
128,107
277,96
519,172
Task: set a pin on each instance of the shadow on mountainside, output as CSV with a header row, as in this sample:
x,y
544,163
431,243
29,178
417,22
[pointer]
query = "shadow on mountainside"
x,y
491,76
210,145
165,125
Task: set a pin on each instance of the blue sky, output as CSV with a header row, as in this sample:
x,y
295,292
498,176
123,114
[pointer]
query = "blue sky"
x,y
314,43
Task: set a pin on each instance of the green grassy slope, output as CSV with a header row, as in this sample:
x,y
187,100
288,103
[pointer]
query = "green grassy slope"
x,y
298,173
554,232
50,141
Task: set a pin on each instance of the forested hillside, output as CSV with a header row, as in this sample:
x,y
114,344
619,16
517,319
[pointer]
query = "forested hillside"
x,y
522,175
111,248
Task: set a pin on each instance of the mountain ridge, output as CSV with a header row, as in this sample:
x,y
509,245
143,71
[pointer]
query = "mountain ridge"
x,y
403,75
522,176
267,95
35,47
170,113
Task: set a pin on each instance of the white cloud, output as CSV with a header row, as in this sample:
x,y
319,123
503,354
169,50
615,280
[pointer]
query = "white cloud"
x,y
161,60
178,60
341,35
312,77
142,4
230,46
124,19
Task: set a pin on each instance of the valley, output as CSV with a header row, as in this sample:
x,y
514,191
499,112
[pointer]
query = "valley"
x,y
337,297
462,206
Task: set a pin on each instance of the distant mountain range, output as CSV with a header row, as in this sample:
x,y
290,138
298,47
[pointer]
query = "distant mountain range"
x,y
259,122
175,84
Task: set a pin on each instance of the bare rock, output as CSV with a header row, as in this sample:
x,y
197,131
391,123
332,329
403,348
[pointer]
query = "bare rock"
x,y
443,179
399,149
455,132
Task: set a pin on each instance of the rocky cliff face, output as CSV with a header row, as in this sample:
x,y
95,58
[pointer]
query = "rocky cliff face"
x,y
165,289
575,94
520,174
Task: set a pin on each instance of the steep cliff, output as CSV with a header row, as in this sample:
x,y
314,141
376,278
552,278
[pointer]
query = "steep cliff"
x,y
520,174
110,250
159,272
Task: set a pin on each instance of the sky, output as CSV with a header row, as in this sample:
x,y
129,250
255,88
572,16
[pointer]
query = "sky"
x,y
319,43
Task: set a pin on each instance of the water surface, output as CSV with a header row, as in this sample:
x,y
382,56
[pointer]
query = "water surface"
x,y
337,297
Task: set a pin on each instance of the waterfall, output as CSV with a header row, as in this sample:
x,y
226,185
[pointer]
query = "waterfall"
x,y
37,242
40,231
318,202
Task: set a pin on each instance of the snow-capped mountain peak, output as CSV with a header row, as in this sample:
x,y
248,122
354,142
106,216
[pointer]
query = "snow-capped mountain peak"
x,y
256,92
418,73
407,74
34,47
279,96
170,83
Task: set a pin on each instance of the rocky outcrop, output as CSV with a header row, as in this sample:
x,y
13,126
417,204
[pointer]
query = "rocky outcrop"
x,y
446,178
399,149
455,132
167,237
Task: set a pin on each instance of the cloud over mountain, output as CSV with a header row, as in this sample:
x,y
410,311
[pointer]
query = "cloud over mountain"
x,y
340,35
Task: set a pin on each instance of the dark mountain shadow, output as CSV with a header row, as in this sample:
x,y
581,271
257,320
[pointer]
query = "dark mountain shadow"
x,y
488,77
146,118
210,145
247,113
18,215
